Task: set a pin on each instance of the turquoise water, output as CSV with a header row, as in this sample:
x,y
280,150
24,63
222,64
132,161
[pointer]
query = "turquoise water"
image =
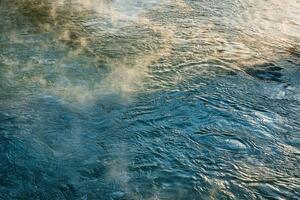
x,y
151,99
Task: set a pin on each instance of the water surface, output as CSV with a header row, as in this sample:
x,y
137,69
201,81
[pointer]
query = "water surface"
x,y
111,99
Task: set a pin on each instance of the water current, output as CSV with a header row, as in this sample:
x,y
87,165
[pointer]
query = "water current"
x,y
157,99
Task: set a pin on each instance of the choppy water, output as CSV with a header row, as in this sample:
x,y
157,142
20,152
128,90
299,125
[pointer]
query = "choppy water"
x,y
120,99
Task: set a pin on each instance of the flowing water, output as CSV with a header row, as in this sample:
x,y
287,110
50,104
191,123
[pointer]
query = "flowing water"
x,y
158,99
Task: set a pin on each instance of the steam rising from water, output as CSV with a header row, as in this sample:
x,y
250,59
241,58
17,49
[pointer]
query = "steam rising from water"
x,y
128,36
83,52
121,47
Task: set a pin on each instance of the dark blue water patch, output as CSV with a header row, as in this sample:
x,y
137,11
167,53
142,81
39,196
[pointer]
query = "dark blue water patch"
x,y
181,146
182,143
47,154
266,71
278,71
251,138
294,51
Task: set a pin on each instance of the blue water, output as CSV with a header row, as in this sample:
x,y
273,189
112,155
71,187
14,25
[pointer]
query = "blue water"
x,y
149,100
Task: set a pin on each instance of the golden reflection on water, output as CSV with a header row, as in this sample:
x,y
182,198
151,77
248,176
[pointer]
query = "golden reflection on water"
x,y
129,38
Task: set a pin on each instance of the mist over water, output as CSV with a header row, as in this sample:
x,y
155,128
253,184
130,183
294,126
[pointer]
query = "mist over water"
x,y
111,99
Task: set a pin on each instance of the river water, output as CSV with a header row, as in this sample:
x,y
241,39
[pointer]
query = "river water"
x,y
158,99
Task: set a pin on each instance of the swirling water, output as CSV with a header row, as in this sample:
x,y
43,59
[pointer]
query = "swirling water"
x,y
183,99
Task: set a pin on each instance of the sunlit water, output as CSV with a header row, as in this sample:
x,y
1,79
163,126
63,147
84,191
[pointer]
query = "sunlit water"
x,y
112,99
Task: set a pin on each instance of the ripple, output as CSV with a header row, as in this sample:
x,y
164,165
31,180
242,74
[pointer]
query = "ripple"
x,y
149,100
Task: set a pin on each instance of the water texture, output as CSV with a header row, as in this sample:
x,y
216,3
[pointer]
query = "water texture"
x,y
120,99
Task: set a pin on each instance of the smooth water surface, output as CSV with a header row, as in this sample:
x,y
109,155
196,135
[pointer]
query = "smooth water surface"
x,y
159,99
